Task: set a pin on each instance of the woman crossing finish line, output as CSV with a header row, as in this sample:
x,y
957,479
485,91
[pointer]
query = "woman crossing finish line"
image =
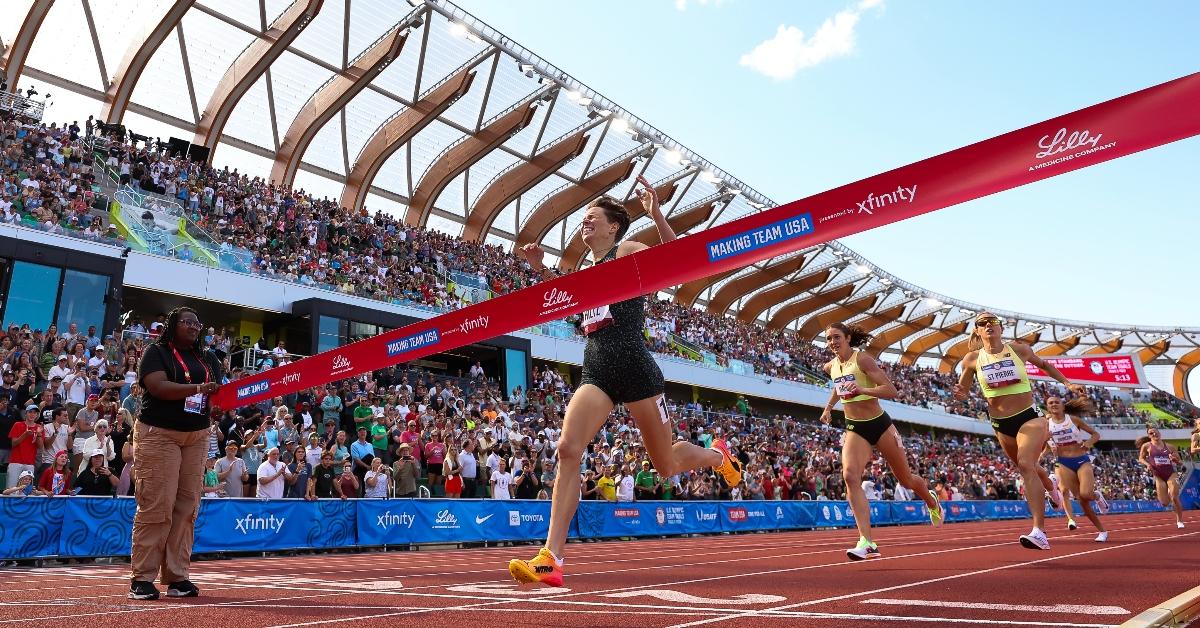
x,y
617,368
1021,429
860,384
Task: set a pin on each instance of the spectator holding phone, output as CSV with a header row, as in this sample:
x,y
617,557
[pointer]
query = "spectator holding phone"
x,y
97,479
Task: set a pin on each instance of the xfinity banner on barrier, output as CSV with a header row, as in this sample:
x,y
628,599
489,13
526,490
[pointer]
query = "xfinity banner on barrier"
x,y
1112,129
1122,371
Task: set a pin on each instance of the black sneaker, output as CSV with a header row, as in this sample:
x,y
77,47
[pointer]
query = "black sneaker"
x,y
142,590
183,588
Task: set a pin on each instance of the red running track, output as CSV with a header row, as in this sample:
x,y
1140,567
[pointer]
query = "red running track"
x,y
961,574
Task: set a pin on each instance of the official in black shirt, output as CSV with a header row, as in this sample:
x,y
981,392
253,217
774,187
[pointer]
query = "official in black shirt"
x,y
170,446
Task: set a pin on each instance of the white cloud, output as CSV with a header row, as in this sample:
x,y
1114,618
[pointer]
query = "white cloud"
x,y
788,52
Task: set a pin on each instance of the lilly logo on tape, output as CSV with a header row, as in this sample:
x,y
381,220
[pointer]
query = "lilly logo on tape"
x,y
759,237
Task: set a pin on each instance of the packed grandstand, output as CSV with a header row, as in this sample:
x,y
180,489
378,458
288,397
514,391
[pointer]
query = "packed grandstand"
x,y
103,182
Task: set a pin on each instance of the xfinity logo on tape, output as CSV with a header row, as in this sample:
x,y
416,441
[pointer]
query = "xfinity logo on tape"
x,y
253,389
762,236
412,343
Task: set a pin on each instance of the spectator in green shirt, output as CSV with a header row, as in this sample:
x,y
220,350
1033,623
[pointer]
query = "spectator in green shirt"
x,y
379,435
364,416
644,483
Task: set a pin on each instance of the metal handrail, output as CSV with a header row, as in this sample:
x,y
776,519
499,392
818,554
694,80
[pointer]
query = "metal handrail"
x,y
16,103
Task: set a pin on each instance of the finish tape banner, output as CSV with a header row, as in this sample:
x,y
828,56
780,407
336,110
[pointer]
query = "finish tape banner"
x,y
100,526
1117,370
1122,126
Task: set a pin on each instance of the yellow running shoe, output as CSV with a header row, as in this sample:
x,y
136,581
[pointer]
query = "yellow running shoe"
x,y
730,467
936,516
543,569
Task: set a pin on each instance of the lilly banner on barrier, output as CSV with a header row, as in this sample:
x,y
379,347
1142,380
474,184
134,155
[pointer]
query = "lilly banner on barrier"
x,y
1117,370
87,526
1115,128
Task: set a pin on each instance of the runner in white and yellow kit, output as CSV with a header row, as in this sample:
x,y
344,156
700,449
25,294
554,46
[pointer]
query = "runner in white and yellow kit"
x,y
860,384
999,368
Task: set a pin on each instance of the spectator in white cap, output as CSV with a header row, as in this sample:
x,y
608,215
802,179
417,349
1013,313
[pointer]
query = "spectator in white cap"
x,y
97,478
60,368
101,440
24,486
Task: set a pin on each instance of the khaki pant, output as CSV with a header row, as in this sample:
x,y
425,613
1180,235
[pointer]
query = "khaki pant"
x,y
168,479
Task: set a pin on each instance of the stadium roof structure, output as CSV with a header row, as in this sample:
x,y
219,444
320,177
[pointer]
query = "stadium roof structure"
x,y
418,108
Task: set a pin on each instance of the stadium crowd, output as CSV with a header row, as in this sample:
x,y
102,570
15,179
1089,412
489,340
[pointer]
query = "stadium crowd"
x,y
292,235
395,431
410,432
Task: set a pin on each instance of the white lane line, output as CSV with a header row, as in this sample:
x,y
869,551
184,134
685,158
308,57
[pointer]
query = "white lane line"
x,y
932,580
685,598
1079,609
234,604
555,598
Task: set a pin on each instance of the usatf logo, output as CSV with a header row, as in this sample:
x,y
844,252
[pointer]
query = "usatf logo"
x,y
413,342
341,364
390,519
445,520
705,516
250,523
555,300
738,514
1068,146
253,389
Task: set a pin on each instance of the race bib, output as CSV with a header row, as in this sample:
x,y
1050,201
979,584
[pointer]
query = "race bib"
x,y
194,404
596,319
841,385
1162,460
1063,437
1000,374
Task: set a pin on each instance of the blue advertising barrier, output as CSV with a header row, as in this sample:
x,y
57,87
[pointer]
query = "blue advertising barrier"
x,y
80,526
1190,497
403,521
30,526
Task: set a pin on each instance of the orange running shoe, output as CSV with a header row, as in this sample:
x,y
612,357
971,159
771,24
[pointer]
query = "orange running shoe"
x,y
543,569
730,467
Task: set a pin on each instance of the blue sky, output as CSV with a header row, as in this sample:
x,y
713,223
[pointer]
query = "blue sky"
x,y
843,90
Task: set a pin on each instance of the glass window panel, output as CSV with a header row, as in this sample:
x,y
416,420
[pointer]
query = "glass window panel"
x,y
83,299
251,119
16,11
212,45
123,24
323,37
31,295
370,20
328,333
72,57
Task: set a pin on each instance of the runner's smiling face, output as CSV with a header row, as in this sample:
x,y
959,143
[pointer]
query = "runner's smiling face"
x,y
1055,406
596,229
836,339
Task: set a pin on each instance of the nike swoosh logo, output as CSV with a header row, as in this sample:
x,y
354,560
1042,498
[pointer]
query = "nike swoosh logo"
x,y
479,520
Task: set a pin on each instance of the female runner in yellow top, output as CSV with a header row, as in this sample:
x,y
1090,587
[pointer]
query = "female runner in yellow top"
x,y
999,367
860,384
